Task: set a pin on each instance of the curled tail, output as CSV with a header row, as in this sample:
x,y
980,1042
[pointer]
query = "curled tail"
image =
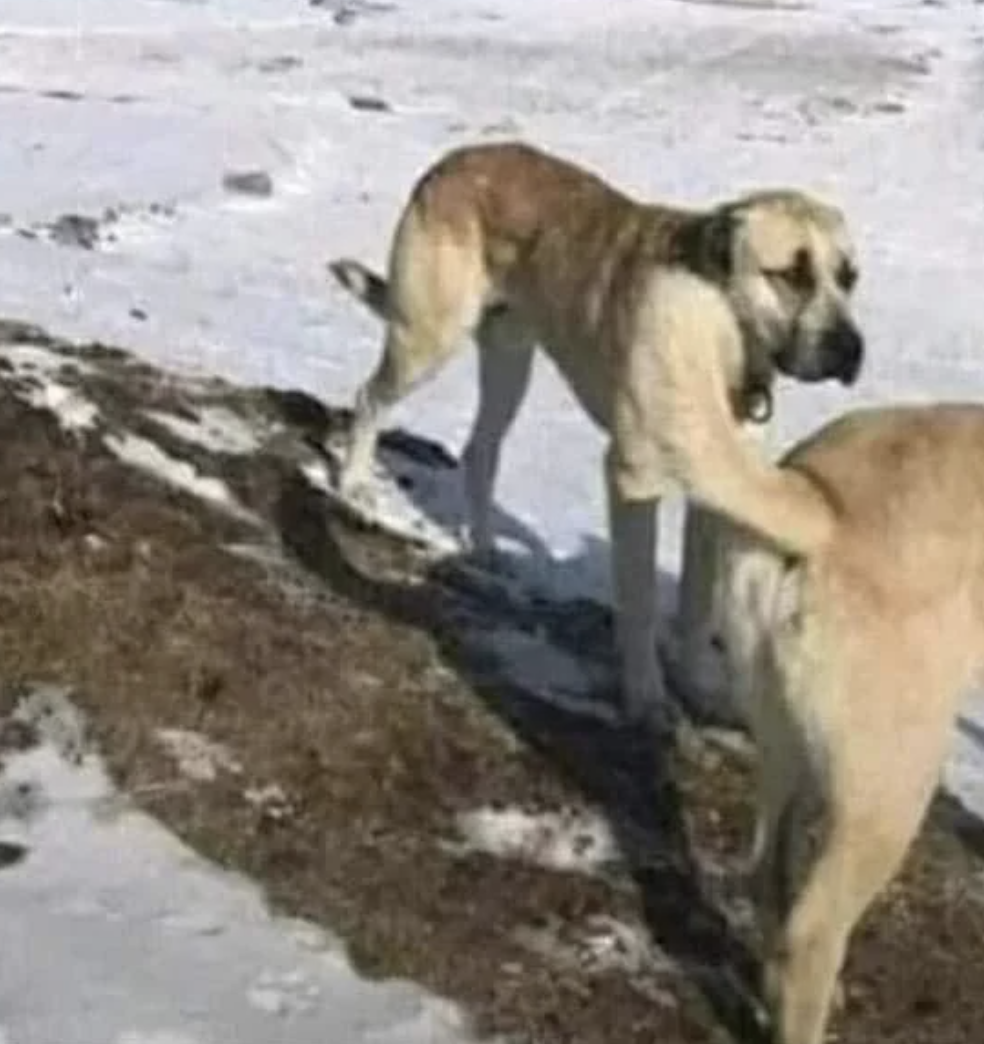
x,y
368,286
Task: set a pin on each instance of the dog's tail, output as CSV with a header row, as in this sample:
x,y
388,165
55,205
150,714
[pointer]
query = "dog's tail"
x,y
368,286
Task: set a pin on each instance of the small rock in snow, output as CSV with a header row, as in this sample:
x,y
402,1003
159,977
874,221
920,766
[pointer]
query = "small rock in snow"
x,y
256,183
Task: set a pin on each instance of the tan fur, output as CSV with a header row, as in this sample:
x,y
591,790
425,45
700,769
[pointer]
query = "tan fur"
x,y
851,663
666,323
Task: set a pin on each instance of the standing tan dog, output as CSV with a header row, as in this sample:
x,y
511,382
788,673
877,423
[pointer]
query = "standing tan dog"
x,y
850,659
668,324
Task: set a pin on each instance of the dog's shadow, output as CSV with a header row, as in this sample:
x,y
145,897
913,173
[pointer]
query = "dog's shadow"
x,y
619,769
429,477
423,470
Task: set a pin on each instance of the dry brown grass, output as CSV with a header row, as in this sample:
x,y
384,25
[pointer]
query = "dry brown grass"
x,y
375,709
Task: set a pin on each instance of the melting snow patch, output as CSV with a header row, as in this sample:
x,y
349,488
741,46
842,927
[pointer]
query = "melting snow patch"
x,y
288,993
198,757
148,457
436,1019
603,945
37,371
216,429
85,910
387,507
74,412
194,922
49,712
569,840
30,360
270,800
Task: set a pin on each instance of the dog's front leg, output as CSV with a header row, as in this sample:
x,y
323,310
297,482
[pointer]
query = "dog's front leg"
x,y
693,661
633,531
695,666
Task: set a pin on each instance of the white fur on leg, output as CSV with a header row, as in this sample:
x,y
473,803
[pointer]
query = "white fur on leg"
x,y
355,478
504,367
480,463
633,530
696,668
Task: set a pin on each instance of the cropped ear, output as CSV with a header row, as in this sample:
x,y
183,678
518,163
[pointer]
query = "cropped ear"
x,y
706,243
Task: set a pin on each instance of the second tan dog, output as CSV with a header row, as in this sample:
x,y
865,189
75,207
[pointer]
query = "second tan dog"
x,y
851,661
668,324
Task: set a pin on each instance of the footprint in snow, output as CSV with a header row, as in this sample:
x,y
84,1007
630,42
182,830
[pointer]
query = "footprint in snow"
x,y
287,993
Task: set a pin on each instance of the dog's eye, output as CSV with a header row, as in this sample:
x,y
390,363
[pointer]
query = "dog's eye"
x,y
798,276
847,276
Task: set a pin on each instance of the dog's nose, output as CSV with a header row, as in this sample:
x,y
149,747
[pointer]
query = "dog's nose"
x,y
847,350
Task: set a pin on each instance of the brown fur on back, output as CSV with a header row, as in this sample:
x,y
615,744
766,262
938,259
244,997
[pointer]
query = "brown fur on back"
x,y
907,485
667,324
851,663
530,207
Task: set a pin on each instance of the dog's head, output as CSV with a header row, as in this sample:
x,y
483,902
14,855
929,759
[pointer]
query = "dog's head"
x,y
787,264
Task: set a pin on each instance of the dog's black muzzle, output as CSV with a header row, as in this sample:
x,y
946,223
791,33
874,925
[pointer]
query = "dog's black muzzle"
x,y
836,356
842,352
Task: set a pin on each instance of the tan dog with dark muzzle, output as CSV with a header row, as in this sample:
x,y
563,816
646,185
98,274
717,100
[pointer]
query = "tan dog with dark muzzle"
x,y
668,324
850,659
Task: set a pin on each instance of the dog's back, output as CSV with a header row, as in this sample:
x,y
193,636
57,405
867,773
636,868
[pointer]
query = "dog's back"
x,y
853,662
905,566
907,486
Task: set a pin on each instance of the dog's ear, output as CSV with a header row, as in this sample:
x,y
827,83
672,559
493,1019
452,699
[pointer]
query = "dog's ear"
x,y
719,240
706,243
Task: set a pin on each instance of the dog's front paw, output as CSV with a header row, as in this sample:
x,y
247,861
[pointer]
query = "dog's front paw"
x,y
483,554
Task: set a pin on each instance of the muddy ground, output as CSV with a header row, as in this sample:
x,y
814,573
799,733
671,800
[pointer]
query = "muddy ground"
x,y
353,674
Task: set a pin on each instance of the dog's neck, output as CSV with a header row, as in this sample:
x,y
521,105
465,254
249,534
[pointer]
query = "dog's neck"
x,y
700,242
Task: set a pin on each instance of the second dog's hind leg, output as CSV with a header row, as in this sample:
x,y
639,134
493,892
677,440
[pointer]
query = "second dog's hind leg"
x,y
803,962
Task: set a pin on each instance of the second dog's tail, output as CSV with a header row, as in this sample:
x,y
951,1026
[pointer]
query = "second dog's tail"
x,y
368,286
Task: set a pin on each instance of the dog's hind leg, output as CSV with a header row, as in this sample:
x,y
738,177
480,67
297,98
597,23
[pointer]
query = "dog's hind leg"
x,y
856,858
505,360
410,354
778,850
869,809
436,295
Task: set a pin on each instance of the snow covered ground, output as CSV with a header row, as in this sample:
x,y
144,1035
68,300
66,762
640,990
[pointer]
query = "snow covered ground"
x,y
124,936
133,113
143,108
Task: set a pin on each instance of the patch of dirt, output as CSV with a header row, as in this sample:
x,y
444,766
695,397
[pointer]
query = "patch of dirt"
x,y
350,679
